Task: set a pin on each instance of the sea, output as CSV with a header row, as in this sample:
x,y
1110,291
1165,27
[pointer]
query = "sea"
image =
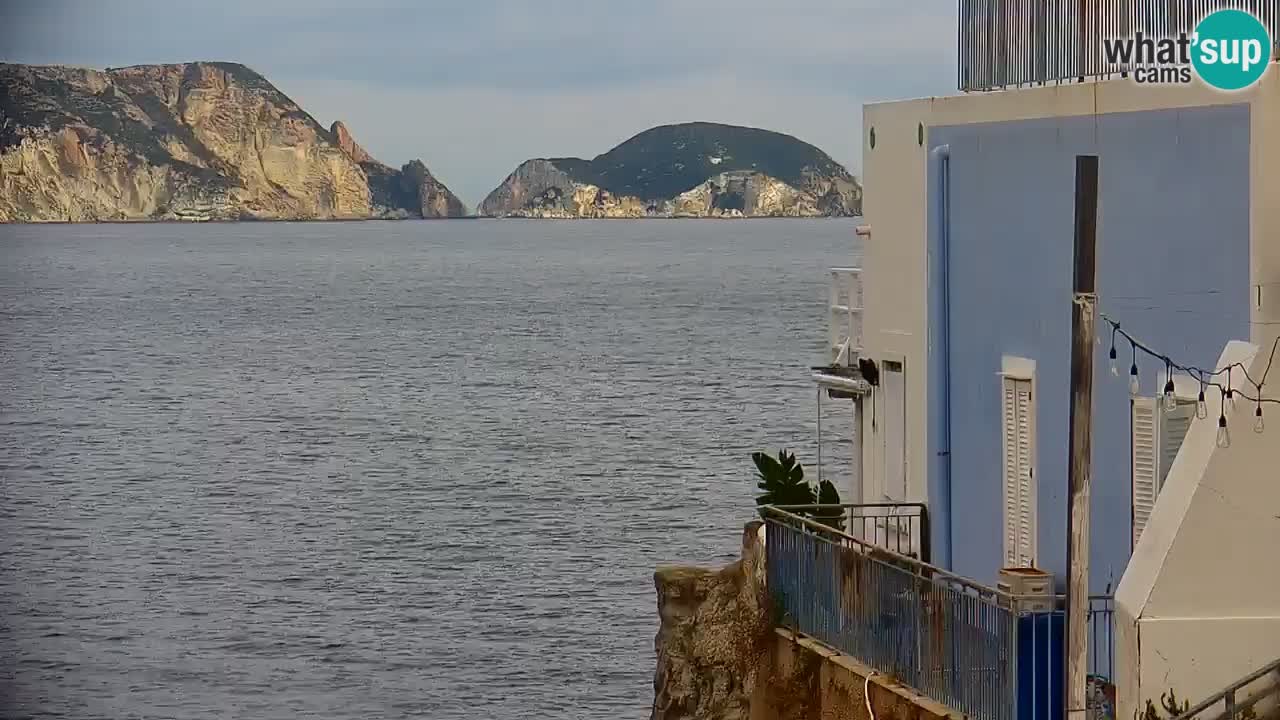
x,y
384,469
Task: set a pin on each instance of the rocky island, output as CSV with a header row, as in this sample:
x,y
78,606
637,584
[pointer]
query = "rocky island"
x,y
686,170
189,141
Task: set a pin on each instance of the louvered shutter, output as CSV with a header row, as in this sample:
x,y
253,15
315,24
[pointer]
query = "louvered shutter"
x,y
1019,473
1010,480
1146,468
1026,487
1174,425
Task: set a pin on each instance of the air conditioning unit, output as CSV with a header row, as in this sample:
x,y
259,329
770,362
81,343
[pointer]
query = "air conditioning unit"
x,y
1031,588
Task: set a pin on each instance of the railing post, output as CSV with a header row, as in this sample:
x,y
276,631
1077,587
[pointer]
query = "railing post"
x,y
925,555
1230,701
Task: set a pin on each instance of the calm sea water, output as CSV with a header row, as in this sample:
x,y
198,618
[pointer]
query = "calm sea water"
x,y
381,470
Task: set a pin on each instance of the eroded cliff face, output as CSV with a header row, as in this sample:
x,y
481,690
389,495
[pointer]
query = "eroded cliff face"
x,y
745,194
715,636
200,141
540,190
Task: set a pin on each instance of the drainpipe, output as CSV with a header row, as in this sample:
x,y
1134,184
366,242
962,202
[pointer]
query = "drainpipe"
x,y
939,241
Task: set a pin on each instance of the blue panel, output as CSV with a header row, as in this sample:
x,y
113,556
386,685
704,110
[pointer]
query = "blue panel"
x,y
1173,266
1041,676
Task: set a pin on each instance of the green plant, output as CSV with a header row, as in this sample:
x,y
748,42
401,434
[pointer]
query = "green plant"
x,y
1168,703
781,482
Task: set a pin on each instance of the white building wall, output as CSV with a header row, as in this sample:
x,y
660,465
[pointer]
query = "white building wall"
x,y
1199,605
894,282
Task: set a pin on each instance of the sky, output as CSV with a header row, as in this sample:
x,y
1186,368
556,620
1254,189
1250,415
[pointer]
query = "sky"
x,y
475,87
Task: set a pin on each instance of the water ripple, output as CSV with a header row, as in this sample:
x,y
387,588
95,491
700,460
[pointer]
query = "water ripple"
x,y
381,470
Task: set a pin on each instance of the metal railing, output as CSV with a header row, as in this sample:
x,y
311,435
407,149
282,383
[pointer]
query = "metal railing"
x,y
844,328
971,647
1004,43
1265,691
1102,642
900,527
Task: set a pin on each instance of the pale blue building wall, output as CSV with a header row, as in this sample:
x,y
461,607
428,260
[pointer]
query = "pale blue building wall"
x,y
1173,267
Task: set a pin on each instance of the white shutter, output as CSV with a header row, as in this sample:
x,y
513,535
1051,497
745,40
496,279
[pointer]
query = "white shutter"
x,y
1174,425
1157,437
1144,424
1026,488
1010,480
1019,481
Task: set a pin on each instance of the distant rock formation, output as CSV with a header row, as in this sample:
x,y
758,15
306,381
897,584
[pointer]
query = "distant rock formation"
x,y
689,170
191,141
348,144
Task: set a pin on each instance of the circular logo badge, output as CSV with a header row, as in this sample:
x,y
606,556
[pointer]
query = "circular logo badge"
x,y
1232,49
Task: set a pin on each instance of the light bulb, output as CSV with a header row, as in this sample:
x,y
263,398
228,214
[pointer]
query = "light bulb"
x,y
1170,400
1224,436
1259,425
1115,369
1134,386
1202,409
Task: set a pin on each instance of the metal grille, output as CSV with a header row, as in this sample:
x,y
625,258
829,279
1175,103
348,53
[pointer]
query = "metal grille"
x,y
900,527
1004,43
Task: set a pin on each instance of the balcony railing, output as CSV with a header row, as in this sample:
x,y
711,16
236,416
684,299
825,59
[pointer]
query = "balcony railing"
x,y
1004,43
845,322
1256,694
982,652
902,528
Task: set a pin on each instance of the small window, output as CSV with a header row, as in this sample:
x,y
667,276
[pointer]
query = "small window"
x,y
1019,481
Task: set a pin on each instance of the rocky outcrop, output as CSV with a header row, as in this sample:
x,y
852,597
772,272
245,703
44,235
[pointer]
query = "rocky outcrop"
x,y
745,194
715,637
343,138
530,181
690,170
429,195
724,653
191,141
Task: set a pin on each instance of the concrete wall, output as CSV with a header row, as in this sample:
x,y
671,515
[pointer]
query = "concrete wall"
x,y
1173,266
895,257
804,679
1199,605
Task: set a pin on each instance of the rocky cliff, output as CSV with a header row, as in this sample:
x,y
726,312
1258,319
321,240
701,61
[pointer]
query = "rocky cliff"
x,y
724,653
197,141
715,636
689,170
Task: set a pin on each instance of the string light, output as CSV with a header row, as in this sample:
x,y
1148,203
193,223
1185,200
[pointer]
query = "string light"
x,y
1228,392
1259,425
1134,386
1115,369
1204,375
1224,435
1202,408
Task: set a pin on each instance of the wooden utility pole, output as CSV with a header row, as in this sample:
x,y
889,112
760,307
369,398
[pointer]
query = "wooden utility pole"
x,y
1083,312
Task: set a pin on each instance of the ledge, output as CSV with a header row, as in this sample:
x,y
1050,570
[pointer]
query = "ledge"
x,y
928,706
